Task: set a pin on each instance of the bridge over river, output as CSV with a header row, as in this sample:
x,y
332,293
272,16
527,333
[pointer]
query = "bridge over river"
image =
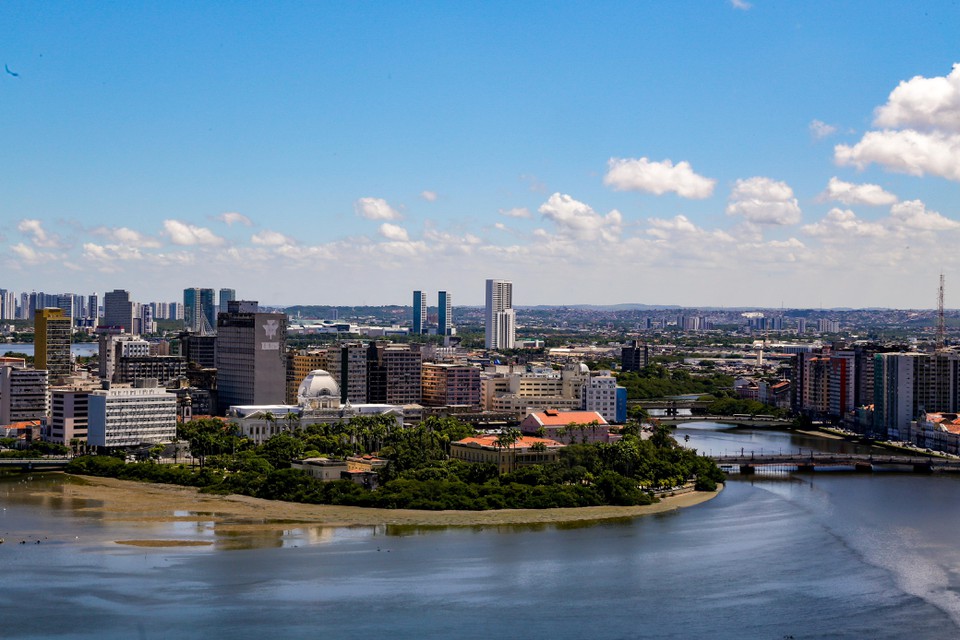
x,y
748,463
58,463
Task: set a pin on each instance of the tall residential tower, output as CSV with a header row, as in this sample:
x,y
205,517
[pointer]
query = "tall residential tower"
x,y
500,326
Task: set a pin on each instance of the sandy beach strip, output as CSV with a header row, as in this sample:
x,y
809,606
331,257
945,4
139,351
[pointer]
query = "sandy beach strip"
x,y
136,501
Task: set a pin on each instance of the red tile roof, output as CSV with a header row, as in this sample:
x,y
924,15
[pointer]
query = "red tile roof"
x,y
523,442
551,418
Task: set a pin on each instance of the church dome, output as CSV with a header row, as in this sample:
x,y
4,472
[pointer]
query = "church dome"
x,y
318,385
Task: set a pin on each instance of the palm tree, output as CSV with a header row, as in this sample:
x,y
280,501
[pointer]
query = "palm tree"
x,y
270,419
293,418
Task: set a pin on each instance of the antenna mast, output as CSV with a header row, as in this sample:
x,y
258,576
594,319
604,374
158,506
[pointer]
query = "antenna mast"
x,y
941,324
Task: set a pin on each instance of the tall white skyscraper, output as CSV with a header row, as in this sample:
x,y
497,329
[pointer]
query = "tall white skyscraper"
x,y
500,325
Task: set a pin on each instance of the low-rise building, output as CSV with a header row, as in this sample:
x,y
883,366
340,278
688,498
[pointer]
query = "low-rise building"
x,y
936,431
568,426
323,469
524,451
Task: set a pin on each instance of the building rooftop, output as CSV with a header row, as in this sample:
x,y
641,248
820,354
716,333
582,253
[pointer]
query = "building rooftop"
x,y
489,441
553,418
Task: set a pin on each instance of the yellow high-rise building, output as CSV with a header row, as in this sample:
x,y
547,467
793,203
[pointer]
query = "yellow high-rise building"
x,y
52,335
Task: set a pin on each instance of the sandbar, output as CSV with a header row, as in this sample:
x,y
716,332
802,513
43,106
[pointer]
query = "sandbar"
x,y
124,500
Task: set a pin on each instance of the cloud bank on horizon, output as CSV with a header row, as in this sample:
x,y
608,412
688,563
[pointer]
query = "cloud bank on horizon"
x,y
628,222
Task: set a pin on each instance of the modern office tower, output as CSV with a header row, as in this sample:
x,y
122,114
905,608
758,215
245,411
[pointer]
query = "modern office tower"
x,y
500,326
419,313
199,350
444,313
347,363
634,356
24,306
118,310
251,356
393,374
176,311
93,307
450,384
163,369
53,332
23,394
130,416
226,296
199,312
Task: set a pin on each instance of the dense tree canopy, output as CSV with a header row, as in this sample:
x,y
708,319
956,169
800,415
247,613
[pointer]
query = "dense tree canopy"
x,y
419,474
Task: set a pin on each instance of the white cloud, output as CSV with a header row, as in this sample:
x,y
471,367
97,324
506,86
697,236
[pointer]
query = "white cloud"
x,y
516,212
429,196
840,225
924,103
579,221
743,5
907,151
920,130
853,194
682,228
38,235
127,236
231,218
29,255
185,234
630,174
394,232
913,214
764,201
375,209
821,130
270,238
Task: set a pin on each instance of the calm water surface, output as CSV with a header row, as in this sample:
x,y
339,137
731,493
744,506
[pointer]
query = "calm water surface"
x,y
813,556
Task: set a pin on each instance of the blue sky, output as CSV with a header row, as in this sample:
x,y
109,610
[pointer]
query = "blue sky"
x,y
694,153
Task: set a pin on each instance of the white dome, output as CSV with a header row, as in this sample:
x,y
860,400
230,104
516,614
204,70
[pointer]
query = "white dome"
x,y
318,385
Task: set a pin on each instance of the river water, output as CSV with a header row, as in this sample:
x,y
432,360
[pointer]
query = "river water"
x,y
820,555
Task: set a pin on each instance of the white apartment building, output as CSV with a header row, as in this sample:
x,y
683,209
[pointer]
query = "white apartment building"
x,y
126,416
500,323
600,395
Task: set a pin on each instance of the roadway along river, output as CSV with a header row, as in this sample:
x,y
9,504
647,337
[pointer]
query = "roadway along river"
x,y
822,555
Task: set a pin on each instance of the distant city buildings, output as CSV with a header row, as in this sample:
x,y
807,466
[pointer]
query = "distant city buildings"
x,y
199,310
500,324
226,297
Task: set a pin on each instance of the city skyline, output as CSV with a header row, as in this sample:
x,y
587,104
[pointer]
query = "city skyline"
x,y
713,155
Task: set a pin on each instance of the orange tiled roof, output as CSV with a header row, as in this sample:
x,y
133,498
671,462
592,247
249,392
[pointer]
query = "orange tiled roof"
x,y
551,418
523,442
